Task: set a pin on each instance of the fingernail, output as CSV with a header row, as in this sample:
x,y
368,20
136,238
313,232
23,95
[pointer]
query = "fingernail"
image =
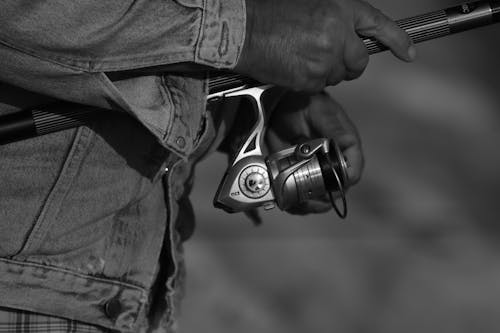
x,y
412,53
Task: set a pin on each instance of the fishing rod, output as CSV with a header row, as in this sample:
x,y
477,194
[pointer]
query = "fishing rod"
x,y
63,115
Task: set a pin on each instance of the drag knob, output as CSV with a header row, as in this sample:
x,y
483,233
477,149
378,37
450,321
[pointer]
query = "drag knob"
x,y
254,182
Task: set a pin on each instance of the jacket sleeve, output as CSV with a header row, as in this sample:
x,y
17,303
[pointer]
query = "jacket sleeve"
x,y
61,48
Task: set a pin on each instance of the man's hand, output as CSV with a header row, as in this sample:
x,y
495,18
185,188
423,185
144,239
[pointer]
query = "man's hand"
x,y
299,117
309,44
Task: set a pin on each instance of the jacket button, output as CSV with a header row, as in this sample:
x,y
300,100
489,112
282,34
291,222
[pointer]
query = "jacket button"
x,y
181,142
113,308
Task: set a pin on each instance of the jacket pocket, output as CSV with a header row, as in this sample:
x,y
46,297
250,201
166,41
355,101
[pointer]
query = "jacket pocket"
x,y
43,185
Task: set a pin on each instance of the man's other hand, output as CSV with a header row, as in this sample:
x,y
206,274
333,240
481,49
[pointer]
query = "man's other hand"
x,y
306,45
299,117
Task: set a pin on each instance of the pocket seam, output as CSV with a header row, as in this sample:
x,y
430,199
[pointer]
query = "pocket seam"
x,y
51,206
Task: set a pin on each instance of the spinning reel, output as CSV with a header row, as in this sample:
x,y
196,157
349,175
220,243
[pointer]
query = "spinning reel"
x,y
311,170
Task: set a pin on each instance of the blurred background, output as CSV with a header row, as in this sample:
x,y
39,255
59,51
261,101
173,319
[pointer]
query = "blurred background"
x,y
420,250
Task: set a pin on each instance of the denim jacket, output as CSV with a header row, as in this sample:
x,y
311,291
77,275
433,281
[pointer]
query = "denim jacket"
x,y
86,212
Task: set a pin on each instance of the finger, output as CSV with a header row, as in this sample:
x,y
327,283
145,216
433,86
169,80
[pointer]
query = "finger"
x,y
287,119
371,22
274,141
355,163
327,118
337,75
337,125
355,57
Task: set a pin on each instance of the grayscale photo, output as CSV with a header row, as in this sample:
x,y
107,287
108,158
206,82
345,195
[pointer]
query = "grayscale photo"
x,y
242,166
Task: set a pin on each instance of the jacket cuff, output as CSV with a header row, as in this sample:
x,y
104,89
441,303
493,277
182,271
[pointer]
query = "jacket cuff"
x,y
222,33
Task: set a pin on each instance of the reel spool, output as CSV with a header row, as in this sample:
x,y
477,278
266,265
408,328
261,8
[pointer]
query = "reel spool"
x,y
307,172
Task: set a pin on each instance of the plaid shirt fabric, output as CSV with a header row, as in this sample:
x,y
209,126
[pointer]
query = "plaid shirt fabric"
x,y
18,321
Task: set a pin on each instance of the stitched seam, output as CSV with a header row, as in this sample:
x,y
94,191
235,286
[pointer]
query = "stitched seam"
x,y
167,99
170,292
182,3
168,135
123,103
201,31
34,54
243,5
59,190
72,273
45,200
105,64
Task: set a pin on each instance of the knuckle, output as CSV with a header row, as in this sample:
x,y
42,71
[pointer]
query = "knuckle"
x,y
336,77
332,19
298,84
379,20
330,13
352,75
327,36
317,68
362,62
378,24
354,178
313,85
356,56
407,38
365,60
324,41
